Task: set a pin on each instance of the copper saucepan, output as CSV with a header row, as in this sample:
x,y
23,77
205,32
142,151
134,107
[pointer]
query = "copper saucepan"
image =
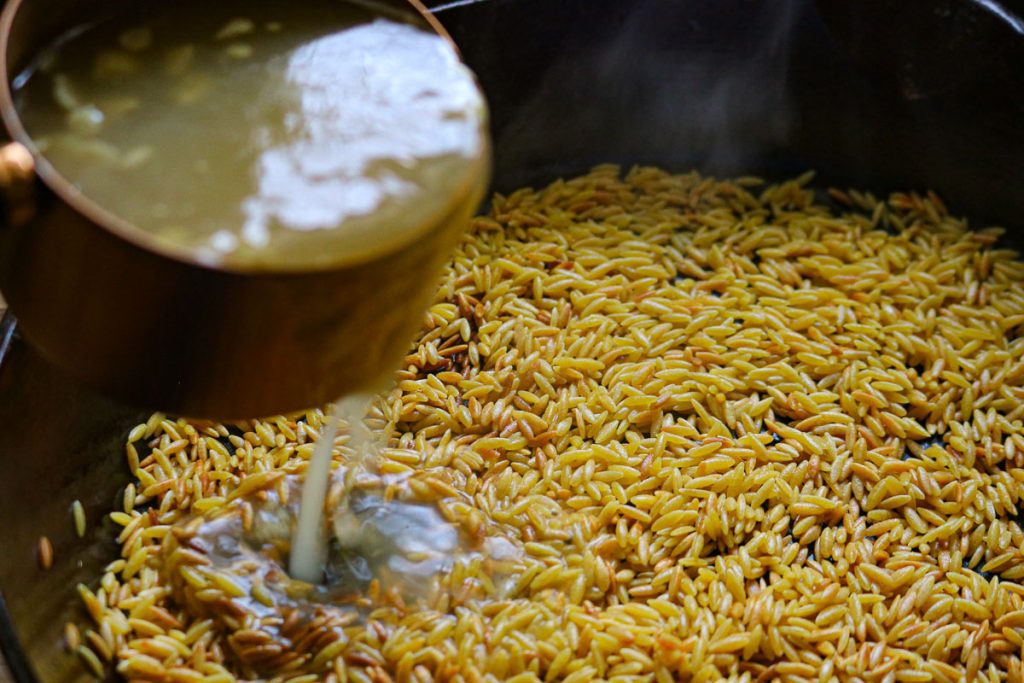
x,y
103,302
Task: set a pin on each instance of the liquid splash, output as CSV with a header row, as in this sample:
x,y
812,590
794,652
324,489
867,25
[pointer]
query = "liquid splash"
x,y
380,541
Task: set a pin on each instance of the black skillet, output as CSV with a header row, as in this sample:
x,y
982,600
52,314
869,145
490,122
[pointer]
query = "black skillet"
x,y
881,94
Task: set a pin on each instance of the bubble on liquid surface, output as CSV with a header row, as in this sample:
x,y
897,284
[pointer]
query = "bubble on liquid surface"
x,y
399,542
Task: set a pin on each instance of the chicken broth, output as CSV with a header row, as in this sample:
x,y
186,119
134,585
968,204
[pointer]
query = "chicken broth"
x,y
263,135
388,548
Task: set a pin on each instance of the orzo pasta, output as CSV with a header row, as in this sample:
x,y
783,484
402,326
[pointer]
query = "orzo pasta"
x,y
726,429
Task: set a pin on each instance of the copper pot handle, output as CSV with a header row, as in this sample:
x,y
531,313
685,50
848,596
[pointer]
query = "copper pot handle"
x,y
17,183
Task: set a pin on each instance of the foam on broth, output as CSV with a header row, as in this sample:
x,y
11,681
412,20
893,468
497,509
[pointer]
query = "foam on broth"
x,y
262,134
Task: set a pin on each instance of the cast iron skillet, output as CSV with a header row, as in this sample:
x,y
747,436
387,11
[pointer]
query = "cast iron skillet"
x,y
928,95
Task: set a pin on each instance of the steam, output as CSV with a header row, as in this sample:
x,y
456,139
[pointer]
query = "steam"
x,y
695,83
